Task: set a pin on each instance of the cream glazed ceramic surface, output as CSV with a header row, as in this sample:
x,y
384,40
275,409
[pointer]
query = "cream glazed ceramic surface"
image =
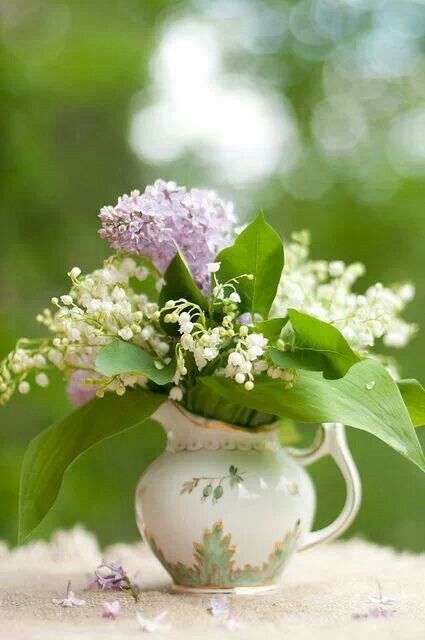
x,y
224,509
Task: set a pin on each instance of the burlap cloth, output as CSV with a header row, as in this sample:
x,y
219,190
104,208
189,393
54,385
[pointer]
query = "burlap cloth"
x,y
320,592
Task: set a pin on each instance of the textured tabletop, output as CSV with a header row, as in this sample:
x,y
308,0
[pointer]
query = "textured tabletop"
x,y
326,592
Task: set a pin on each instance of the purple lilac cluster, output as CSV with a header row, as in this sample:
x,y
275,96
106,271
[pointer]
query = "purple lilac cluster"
x,y
166,216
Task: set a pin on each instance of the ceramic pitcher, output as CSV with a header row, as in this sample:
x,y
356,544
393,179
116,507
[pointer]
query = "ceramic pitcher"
x,y
224,509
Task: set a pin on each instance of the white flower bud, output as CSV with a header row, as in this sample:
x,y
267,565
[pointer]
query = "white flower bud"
x,y
141,273
42,380
184,317
243,330
249,385
213,267
24,387
234,297
75,272
147,332
336,268
39,360
240,378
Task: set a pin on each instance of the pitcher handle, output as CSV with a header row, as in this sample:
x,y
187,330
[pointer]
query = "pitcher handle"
x,y
331,440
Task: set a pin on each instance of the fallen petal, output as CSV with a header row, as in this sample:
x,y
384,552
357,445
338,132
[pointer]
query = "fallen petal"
x,y
219,606
70,600
111,609
150,626
231,624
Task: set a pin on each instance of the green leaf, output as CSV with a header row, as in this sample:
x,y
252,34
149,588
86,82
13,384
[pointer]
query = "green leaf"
x,y
413,395
257,250
124,357
53,451
180,284
366,398
271,329
315,346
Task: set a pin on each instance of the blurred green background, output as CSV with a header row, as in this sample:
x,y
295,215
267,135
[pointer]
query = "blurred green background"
x,y
312,110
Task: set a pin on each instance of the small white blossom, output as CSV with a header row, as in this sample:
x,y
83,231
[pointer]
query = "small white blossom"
x,y
213,267
236,359
125,333
67,299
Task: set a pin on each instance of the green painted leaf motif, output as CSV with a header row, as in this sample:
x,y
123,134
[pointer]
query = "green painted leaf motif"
x,y
53,451
124,357
413,395
315,346
352,400
180,284
258,250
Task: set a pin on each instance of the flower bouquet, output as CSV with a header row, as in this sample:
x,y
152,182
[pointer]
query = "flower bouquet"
x,y
221,326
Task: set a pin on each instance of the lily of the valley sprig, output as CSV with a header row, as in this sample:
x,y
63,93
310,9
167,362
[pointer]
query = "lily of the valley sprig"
x,y
230,324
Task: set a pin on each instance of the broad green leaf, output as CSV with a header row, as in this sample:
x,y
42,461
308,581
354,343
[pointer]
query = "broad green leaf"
x,y
124,357
413,395
180,284
366,398
271,329
257,250
54,450
204,402
315,346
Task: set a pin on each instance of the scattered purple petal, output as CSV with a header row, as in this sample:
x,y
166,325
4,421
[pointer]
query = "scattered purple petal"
x,y
378,612
111,609
70,600
374,612
154,624
219,606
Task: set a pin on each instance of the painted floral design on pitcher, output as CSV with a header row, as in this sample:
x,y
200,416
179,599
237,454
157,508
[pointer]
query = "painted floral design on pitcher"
x,y
213,485
224,510
214,565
